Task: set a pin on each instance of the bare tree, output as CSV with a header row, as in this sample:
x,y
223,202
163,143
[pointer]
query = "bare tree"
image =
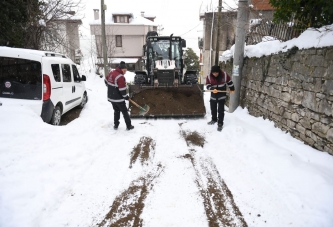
x,y
47,25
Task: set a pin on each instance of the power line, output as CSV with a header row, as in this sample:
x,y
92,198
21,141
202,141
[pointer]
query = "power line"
x,y
190,29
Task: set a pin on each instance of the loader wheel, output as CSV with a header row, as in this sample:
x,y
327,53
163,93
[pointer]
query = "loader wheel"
x,y
191,79
139,79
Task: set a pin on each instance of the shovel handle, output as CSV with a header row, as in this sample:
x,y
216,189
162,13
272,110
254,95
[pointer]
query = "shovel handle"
x,y
213,91
135,104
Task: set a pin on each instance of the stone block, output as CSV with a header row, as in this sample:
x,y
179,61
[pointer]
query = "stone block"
x,y
320,96
301,112
311,135
294,134
303,137
285,96
305,122
296,75
329,72
300,128
270,79
328,87
294,83
297,96
328,150
284,104
291,124
319,72
260,102
325,107
320,52
287,115
308,86
312,115
309,101
317,60
318,147
330,98
295,117
309,141
329,54
329,135
317,85
285,89
325,120
320,129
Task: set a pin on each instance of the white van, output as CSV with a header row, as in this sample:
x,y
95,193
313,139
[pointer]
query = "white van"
x,y
47,82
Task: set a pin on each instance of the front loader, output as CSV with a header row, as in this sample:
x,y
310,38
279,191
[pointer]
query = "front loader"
x,y
163,83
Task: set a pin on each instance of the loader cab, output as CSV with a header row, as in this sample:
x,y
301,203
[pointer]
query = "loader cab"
x,y
166,48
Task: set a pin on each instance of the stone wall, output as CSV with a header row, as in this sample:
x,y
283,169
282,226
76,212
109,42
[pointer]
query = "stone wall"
x,y
295,90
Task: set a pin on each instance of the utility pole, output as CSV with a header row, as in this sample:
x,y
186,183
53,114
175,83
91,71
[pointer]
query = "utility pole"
x,y
105,59
217,52
242,25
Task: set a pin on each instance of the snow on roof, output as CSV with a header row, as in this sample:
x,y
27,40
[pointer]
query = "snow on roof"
x,y
121,13
134,20
149,15
126,60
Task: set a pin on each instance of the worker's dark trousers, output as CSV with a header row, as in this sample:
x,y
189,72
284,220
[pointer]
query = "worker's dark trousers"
x,y
217,109
121,107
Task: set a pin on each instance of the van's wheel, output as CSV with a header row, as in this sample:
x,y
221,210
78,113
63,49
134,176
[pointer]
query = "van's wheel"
x,y
56,116
84,100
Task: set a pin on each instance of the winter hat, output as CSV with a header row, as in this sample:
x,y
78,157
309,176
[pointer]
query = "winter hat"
x,y
122,65
215,69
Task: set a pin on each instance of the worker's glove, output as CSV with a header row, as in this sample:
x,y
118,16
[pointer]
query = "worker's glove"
x,y
126,98
215,91
232,91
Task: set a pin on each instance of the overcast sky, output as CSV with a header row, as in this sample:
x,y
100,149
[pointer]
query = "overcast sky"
x,y
180,17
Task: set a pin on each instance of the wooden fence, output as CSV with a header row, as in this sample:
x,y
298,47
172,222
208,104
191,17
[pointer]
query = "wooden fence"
x,y
260,28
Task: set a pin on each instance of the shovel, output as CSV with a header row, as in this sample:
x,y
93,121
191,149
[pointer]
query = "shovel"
x,y
143,110
213,91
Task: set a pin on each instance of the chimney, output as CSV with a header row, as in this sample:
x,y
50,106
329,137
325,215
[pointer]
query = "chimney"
x,y
96,14
142,13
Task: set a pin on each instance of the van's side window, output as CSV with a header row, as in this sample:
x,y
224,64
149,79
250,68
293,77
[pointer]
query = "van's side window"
x,y
66,73
76,74
56,72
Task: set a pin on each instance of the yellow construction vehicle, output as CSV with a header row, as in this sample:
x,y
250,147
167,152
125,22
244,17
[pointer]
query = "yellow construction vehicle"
x,y
163,83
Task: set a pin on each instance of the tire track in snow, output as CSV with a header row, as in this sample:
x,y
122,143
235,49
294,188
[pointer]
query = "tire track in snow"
x,y
127,207
218,201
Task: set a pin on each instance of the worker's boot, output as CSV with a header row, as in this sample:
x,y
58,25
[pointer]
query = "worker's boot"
x,y
130,128
219,127
211,122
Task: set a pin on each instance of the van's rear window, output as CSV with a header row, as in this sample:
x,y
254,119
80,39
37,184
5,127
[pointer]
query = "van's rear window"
x,y
20,78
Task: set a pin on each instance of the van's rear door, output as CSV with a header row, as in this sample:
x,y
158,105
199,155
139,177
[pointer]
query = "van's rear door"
x,y
21,81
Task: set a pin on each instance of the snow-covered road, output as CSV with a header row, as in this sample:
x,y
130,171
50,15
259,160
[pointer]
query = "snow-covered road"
x,y
74,175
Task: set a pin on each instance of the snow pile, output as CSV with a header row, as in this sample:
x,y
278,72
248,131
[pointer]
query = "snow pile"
x,y
310,38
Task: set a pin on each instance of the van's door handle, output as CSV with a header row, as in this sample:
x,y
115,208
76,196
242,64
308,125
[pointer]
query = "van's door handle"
x,y
74,88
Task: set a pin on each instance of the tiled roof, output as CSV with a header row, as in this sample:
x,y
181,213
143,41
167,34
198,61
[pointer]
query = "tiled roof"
x,y
262,5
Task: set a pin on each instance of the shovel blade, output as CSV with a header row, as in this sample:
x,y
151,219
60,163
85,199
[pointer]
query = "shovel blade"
x,y
144,110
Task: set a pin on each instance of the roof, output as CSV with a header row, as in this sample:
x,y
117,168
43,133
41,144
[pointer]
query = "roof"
x,y
134,20
126,60
262,5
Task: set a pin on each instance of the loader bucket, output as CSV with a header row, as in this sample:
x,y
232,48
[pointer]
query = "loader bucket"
x,y
185,101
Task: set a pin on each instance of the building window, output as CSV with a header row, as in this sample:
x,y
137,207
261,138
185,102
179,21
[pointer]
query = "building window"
x,y
119,41
121,19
